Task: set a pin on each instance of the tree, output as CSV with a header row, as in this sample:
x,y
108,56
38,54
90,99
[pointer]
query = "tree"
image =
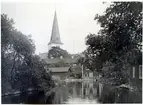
x,y
57,52
120,38
21,68
122,29
89,60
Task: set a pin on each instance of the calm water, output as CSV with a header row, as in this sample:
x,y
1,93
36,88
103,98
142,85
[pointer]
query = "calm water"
x,y
78,92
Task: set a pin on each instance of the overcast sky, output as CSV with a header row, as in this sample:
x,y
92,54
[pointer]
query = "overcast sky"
x,y
76,21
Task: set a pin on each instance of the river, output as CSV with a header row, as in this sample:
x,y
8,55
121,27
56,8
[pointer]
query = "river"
x,y
78,92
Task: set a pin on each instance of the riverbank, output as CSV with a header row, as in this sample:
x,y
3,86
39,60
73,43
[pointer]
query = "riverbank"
x,y
14,92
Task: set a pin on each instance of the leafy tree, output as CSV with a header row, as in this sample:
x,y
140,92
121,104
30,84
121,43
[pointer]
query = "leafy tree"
x,y
89,60
119,40
57,52
21,68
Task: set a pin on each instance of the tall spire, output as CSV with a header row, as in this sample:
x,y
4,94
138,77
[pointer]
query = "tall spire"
x,y
55,36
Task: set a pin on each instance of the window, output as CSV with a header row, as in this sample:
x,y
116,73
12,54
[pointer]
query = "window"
x,y
140,71
133,72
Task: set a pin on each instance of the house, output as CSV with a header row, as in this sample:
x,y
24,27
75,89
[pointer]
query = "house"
x,y
66,60
61,67
87,73
60,72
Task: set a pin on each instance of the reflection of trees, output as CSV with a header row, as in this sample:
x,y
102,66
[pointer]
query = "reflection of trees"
x,y
78,88
127,96
119,95
61,95
75,89
71,91
88,90
107,94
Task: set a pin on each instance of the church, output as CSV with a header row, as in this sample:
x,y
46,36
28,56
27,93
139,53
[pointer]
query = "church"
x,y
55,36
55,41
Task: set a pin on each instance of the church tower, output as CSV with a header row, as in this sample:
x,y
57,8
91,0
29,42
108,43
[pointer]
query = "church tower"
x,y
55,40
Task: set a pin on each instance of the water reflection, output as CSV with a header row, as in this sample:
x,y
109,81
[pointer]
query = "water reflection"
x,y
79,92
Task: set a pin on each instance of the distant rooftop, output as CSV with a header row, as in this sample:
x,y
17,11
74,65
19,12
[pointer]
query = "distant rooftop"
x,y
72,59
59,69
66,60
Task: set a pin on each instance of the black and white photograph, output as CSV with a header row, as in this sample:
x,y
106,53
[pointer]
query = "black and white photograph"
x,y
71,52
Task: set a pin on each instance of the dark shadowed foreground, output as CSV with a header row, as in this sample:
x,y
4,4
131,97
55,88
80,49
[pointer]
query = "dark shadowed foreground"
x,y
78,92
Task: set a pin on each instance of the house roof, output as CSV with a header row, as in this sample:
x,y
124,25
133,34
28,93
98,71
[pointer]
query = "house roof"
x,y
66,60
55,60
59,69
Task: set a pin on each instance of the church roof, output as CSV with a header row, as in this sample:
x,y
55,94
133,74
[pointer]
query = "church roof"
x,y
55,36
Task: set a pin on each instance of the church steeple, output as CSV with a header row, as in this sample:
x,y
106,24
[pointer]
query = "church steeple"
x,y
55,36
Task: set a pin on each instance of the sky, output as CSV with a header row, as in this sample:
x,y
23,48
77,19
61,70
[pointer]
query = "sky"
x,y
75,20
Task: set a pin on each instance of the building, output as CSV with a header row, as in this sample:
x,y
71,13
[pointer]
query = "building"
x,y
63,72
55,35
58,66
87,74
60,72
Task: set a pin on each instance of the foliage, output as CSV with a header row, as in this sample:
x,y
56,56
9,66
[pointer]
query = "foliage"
x,y
57,52
89,60
119,40
21,68
76,75
75,72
